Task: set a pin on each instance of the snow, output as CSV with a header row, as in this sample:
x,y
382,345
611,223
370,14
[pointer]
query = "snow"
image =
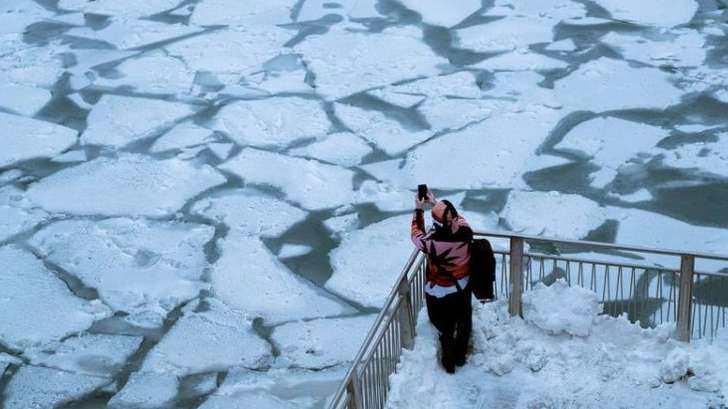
x,y
615,85
514,362
709,158
368,261
388,134
26,138
153,73
343,149
126,34
135,265
91,354
116,121
321,343
117,186
250,212
248,277
127,9
253,12
23,99
146,391
507,34
347,62
652,12
437,13
38,387
14,220
37,306
182,136
684,49
311,184
272,122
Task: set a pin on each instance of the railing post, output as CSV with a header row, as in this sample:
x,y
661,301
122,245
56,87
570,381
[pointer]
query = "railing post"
x,y
353,389
516,277
407,323
685,300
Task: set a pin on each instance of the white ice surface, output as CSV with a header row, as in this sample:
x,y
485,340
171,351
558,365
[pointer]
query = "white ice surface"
x,y
554,10
181,136
454,113
353,9
153,73
640,195
16,15
25,64
235,14
321,343
25,138
248,277
14,220
310,183
294,250
127,9
388,134
135,265
272,122
127,34
521,60
250,212
146,391
565,45
38,387
614,85
347,62
506,34
392,96
116,121
343,149
37,306
214,340
91,354
128,185
437,13
681,48
367,262
709,158
23,99
659,13
71,156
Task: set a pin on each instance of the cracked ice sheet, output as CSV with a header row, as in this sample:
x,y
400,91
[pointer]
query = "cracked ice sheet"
x,y
129,185
265,287
551,9
14,220
116,121
312,184
343,149
29,65
234,14
681,48
391,136
276,389
438,13
272,122
347,62
321,343
353,9
708,158
125,34
521,60
660,13
136,266
91,354
151,73
367,261
38,387
230,51
16,15
23,99
493,153
507,34
25,138
126,9
184,135
250,212
615,85
37,306
146,391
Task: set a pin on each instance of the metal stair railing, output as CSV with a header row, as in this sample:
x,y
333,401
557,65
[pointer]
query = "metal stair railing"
x,y
661,286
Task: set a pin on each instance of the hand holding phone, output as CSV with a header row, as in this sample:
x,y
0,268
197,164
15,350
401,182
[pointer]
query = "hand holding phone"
x,y
422,191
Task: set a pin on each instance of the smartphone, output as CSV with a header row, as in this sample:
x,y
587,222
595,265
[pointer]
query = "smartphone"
x,y
422,191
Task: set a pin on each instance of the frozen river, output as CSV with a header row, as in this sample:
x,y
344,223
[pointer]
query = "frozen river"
x,y
204,202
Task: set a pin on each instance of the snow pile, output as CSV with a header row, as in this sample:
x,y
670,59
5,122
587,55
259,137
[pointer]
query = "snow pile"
x,y
562,355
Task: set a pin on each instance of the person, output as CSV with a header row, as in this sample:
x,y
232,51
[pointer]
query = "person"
x,y
447,296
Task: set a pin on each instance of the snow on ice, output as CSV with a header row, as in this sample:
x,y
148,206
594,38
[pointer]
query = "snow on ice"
x,y
147,391
182,136
128,10
343,149
255,12
505,35
35,386
151,73
443,14
127,34
25,138
23,99
652,12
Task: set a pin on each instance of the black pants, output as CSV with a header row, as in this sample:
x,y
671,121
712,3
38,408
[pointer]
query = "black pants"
x,y
452,315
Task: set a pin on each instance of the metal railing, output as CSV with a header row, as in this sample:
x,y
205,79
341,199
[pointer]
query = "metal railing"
x,y
662,286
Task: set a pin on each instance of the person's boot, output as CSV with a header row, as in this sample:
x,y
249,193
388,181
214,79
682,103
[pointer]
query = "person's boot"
x,y
462,339
448,361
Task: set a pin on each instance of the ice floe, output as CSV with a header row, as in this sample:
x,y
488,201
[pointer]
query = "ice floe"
x,y
682,48
248,277
136,266
23,99
38,387
347,62
521,61
554,10
505,35
147,391
388,134
182,136
354,9
22,63
37,306
14,220
444,113
294,250
254,12
708,158
321,343
128,185
116,121
213,340
652,12
26,138
128,9
443,14
16,15
250,212
614,84
151,73
90,354
343,149
127,34
368,261
272,122
312,184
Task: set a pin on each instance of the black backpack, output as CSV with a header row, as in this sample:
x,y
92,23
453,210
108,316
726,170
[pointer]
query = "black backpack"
x,y
482,269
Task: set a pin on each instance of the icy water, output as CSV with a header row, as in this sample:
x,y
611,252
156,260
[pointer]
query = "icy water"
x,y
204,202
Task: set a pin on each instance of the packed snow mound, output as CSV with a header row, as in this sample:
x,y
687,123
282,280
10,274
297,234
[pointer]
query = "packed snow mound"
x,y
537,362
